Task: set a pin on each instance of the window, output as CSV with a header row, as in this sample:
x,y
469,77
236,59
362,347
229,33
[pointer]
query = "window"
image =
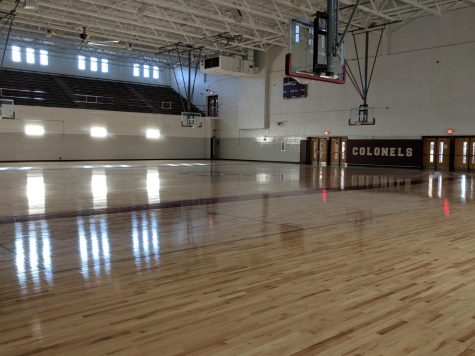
x,y
30,56
432,152
441,152
146,71
44,57
81,63
16,54
297,33
136,70
465,152
156,72
93,64
104,65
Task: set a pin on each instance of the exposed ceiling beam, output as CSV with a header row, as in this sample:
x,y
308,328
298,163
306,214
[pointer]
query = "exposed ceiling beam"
x,y
418,5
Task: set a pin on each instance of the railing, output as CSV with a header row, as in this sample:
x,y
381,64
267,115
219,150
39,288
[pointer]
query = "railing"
x,y
166,105
17,93
92,99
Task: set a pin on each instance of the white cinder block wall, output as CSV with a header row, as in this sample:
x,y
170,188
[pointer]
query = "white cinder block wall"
x,y
424,83
67,136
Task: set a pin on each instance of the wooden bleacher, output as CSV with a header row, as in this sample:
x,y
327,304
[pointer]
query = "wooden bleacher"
x,y
55,90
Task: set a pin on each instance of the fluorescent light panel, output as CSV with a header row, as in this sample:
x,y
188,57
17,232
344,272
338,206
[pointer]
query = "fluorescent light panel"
x,y
98,131
34,130
153,134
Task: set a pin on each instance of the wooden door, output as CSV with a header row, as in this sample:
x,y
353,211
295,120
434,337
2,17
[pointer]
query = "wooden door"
x,y
442,153
471,155
343,146
314,151
213,106
462,153
323,151
335,148
304,152
429,152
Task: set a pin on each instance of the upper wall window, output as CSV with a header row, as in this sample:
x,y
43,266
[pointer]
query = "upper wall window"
x,y
81,63
136,70
146,71
104,65
44,57
30,56
93,64
16,54
156,72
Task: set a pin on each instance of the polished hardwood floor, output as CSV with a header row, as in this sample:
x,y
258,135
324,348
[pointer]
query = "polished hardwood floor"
x,y
235,258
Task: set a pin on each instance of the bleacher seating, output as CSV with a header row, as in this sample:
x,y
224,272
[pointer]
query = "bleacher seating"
x,y
54,90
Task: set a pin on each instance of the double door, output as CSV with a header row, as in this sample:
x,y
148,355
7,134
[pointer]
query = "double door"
x,y
445,153
325,151
464,158
338,150
318,151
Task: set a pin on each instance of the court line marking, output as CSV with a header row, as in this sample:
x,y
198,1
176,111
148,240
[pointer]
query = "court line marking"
x,y
194,202
270,235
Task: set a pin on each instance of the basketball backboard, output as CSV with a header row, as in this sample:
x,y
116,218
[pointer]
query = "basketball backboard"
x,y
7,109
362,115
191,119
308,53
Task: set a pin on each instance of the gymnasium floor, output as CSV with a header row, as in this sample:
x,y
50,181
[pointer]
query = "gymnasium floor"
x,y
235,258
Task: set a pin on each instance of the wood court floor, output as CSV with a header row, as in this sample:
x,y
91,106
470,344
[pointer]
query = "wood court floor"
x,y
235,258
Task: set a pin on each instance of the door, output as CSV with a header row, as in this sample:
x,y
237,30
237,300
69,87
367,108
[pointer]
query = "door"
x,y
213,106
323,151
304,152
443,153
429,156
462,153
344,144
335,148
471,163
314,151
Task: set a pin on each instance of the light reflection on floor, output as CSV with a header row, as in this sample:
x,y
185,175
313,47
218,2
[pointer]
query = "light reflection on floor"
x,y
33,258
34,250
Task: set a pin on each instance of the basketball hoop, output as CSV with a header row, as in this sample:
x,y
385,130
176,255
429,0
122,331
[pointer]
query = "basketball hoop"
x,y
362,116
7,109
191,119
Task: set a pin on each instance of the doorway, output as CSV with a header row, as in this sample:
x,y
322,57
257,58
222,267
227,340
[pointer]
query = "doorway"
x,y
338,150
213,105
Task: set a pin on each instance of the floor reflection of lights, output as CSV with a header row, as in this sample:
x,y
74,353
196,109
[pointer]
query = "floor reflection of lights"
x,y
94,246
33,255
463,187
99,188
35,192
153,185
430,185
145,239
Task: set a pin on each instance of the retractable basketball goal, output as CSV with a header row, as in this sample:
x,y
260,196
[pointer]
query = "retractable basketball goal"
x,y
317,53
316,49
363,115
191,119
7,109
